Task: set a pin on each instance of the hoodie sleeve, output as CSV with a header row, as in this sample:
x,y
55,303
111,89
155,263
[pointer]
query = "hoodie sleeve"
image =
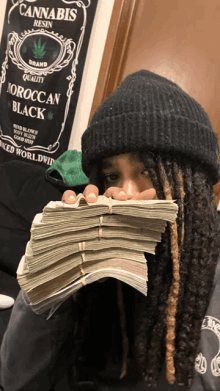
x,y
207,364
32,347
24,192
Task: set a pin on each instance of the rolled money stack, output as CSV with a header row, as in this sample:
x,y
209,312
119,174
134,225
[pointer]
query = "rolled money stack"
x,y
74,245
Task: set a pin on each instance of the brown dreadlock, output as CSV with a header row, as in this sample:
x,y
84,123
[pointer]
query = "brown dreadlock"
x,y
177,301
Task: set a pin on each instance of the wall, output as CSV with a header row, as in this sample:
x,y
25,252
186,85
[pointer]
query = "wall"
x,y
91,71
2,14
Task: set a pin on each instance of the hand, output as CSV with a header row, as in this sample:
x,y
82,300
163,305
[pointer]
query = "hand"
x,y
91,193
118,194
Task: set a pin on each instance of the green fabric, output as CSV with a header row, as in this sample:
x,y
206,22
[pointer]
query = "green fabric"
x,y
68,169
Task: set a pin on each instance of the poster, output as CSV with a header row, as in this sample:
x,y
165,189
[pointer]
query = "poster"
x,y
43,51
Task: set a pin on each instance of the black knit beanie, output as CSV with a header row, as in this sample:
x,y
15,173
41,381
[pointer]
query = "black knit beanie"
x,y
150,112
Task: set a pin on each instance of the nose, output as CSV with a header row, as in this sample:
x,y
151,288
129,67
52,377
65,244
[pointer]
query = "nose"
x,y
130,188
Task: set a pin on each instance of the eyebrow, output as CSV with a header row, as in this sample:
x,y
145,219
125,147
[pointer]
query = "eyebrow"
x,y
106,164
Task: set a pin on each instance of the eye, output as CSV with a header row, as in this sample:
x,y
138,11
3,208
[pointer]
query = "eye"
x,y
145,172
110,178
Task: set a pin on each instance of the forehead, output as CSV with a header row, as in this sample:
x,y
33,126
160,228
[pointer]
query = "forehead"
x,y
126,158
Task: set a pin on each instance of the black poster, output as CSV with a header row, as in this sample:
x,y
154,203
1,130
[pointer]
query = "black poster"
x,y
43,51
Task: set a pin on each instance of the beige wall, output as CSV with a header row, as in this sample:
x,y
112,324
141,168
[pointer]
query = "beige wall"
x,y
91,71
2,14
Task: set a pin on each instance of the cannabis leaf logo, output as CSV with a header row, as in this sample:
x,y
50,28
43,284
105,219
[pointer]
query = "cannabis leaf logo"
x,y
50,115
38,50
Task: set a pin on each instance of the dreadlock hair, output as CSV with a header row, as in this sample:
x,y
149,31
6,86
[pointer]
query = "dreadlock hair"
x,y
180,274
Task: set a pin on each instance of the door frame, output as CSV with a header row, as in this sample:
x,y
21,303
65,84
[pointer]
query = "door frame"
x,y
114,54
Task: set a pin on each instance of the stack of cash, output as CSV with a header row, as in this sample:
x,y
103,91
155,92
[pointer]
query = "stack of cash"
x,y
74,245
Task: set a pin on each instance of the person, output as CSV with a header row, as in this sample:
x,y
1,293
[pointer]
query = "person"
x,y
149,139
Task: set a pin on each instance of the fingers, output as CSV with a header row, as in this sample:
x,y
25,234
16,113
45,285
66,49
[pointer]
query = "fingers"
x,y
69,197
120,195
116,193
91,193
149,194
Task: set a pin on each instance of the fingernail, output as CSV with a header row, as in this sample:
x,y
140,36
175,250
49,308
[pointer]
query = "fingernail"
x,y
92,195
71,198
122,193
129,189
